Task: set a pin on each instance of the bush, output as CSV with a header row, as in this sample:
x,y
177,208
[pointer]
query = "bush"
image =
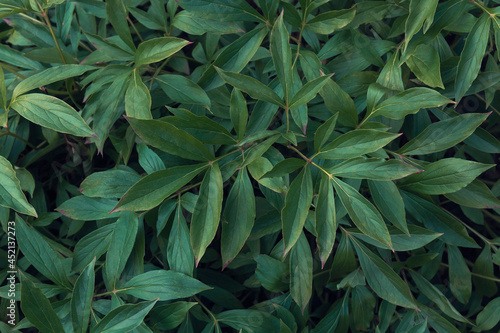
x,y
255,166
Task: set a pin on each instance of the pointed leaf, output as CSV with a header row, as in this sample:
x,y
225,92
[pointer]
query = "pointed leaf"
x,y
323,133
137,98
460,276
308,91
179,252
182,90
93,244
282,57
301,272
327,23
326,221
372,168
420,12
109,183
157,49
388,200
124,318
11,195
81,299
238,112
475,195
424,62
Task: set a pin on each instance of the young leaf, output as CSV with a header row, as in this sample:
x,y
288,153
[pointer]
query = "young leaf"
x,y
238,217
167,137
282,57
326,221
11,195
124,318
251,86
163,285
301,272
472,56
81,299
51,112
364,215
238,112
148,159
297,203
444,176
151,190
137,98
157,49
179,252
327,23
206,215
37,308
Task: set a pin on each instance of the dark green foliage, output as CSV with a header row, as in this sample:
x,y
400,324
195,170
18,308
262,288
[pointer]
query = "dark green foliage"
x,y
250,166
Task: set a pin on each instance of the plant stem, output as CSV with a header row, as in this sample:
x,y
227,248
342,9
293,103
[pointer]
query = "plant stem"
x,y
7,132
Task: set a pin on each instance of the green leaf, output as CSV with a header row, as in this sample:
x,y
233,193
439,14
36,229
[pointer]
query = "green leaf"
x,y
86,209
382,279
388,200
223,10
472,56
48,76
475,195
327,23
483,267
258,150
37,308
271,273
460,276
170,139
148,159
124,318
308,91
281,53
356,143
182,90
109,183
324,132
11,195
116,12
157,49
301,272
163,285
37,250
51,112
151,190
372,168
420,12
443,134
3,92
137,98
194,24
489,316
169,316
364,215
249,320
337,100
326,221
444,176
206,215
437,322
407,102
81,299
238,217
297,202
259,168
424,62
251,86
179,252
120,246
238,112
344,261
93,244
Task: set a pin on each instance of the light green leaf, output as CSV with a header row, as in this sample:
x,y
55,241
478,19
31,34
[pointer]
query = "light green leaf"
x,y
167,137
48,76
407,102
327,23
194,24
297,202
162,284
238,217
179,252
11,195
86,209
151,190
116,13
51,112
238,112
444,176
372,168
41,255
459,274
489,316
137,98
223,10
109,183
81,299
326,221
182,90
251,86
148,159
443,134
364,215
472,56
124,318
356,143
382,279
157,49
281,53
301,272
424,62
37,308
206,215
308,91
421,11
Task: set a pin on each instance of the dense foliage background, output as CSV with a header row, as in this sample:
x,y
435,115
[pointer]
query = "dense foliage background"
x,y
256,166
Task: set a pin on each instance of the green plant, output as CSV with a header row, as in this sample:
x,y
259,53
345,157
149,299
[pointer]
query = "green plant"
x,y
280,166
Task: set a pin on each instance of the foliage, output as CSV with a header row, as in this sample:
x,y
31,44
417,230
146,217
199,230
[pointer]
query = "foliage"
x,y
256,166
